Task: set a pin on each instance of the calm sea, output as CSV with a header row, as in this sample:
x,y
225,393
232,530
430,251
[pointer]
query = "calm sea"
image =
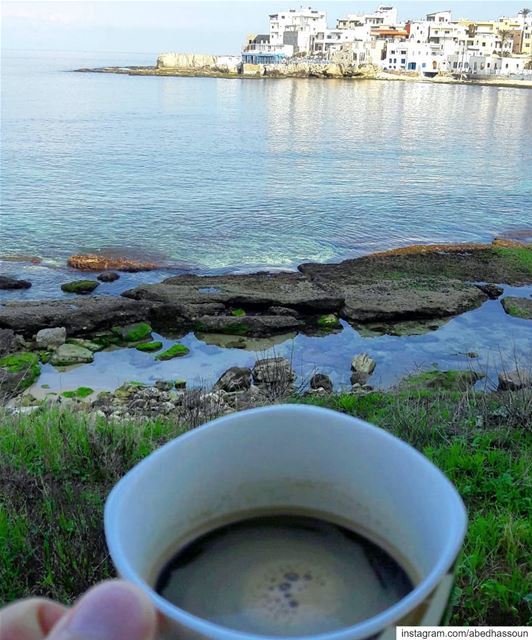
x,y
215,173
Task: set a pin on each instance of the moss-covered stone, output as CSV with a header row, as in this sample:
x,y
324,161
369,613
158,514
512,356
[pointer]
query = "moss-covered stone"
x,y
80,392
91,345
238,313
24,363
80,286
149,346
176,351
328,321
518,307
133,332
452,380
236,329
44,356
517,257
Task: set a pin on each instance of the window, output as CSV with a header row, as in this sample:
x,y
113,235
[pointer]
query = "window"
x,y
488,65
424,65
455,64
403,61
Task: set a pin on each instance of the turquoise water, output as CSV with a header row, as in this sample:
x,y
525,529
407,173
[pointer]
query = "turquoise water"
x,y
212,174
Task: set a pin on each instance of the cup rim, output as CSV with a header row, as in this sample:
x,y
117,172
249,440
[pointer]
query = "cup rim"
x,y
363,629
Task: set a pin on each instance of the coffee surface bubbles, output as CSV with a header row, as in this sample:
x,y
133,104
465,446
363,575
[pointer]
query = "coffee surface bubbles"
x,y
283,575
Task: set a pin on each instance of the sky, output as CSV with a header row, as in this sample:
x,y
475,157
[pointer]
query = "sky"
x,y
195,26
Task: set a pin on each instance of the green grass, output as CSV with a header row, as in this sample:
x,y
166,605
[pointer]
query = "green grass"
x,y
175,351
80,392
56,469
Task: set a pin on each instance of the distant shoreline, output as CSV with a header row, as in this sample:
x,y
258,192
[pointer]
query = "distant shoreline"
x,y
382,76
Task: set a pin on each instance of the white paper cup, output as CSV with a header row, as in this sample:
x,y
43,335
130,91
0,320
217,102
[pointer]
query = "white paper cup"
x,y
283,458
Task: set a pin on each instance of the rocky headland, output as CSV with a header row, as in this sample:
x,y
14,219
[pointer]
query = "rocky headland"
x,y
211,66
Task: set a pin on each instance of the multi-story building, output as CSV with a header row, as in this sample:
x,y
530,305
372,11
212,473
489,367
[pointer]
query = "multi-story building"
x,y
297,28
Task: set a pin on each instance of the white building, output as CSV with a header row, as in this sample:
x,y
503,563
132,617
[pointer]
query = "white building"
x,y
297,28
384,16
410,55
439,16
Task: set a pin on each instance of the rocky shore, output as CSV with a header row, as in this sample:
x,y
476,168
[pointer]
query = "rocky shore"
x,y
298,70
402,292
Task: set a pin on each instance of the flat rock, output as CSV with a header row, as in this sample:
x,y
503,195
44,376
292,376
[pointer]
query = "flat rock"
x,y
92,262
80,287
518,307
413,299
51,338
465,262
79,315
69,354
247,325
7,282
259,290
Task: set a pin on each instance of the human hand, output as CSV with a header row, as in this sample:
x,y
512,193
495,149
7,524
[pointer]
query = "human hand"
x,y
113,610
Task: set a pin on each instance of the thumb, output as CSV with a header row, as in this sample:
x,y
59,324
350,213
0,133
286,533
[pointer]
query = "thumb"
x,y
113,610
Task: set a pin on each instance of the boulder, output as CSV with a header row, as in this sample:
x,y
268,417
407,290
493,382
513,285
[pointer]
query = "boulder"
x,y
69,354
78,315
51,338
515,380
164,385
493,291
234,379
86,344
6,282
80,287
362,366
321,381
518,307
108,276
272,371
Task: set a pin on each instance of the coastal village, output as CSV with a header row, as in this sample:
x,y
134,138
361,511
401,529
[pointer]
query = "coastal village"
x,y
436,45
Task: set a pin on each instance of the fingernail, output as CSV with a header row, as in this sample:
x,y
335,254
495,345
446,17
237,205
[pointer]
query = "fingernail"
x,y
110,611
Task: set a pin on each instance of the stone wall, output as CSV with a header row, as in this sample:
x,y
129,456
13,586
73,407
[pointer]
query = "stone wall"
x,y
302,70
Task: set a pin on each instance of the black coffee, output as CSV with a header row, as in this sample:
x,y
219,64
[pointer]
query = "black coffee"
x,y
283,575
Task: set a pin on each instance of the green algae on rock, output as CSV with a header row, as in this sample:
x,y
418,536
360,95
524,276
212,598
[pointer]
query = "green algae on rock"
x,y
238,313
91,345
80,392
133,332
149,346
80,287
25,364
176,351
328,321
452,380
518,307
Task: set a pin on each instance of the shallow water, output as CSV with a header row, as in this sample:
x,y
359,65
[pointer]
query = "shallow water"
x,y
216,175
499,340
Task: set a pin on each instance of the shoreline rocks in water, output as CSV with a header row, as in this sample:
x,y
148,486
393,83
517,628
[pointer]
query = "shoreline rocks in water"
x,y
80,287
402,286
7,282
92,262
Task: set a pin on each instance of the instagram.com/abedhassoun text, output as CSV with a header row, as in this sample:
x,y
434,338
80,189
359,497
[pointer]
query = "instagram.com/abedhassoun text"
x,y
425,633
